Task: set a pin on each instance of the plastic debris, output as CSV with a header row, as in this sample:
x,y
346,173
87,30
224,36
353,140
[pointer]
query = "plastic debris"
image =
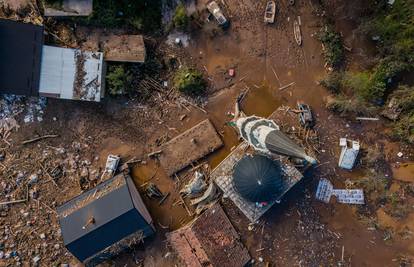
x,y
195,186
33,179
112,164
347,196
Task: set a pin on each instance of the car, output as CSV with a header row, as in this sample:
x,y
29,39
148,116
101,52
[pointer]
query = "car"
x,y
215,10
305,115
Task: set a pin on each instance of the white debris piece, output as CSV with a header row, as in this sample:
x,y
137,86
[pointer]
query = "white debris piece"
x,y
349,153
347,196
324,190
112,164
195,186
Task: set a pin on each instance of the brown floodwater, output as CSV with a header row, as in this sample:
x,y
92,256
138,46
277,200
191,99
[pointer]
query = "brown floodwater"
x,y
263,74
404,172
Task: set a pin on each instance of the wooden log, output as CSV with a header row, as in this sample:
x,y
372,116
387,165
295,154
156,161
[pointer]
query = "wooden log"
x,y
39,138
286,86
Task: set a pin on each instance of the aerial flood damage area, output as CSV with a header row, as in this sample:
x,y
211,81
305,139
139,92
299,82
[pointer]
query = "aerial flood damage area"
x,y
206,133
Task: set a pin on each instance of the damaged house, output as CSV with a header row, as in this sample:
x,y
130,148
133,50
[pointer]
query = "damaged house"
x,y
210,240
105,220
30,68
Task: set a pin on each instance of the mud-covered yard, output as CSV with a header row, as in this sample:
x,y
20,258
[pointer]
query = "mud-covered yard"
x,y
298,232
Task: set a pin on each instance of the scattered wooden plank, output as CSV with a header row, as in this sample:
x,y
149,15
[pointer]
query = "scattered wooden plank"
x,y
366,119
286,86
39,138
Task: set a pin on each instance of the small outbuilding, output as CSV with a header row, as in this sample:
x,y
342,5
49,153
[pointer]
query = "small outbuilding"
x,y
105,220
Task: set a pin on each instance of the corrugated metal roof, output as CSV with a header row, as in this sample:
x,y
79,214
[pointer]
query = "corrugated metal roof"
x,y
71,73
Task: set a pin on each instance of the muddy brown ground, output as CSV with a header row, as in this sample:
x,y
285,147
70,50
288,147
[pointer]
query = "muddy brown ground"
x,y
298,232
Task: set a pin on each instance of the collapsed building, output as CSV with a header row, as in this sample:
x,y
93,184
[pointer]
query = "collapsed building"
x,y
210,240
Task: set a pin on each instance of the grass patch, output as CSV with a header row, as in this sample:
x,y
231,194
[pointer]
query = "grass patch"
x,y
375,187
403,129
344,106
190,81
393,28
397,207
118,80
180,19
333,82
53,3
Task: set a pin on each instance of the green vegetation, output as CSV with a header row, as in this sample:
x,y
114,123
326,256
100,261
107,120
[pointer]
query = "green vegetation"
x,y
53,3
180,19
118,80
189,81
333,47
333,82
391,27
404,128
344,106
143,15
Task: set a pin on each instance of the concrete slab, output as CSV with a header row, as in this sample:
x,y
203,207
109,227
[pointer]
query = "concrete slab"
x,y
189,146
210,240
71,8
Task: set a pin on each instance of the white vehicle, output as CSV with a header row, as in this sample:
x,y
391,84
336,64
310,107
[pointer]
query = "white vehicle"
x,y
215,10
269,16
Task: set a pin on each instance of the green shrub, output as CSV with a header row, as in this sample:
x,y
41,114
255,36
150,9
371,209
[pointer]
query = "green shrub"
x,y
333,47
189,81
180,19
345,106
54,3
142,15
394,27
333,82
118,80
404,128
405,98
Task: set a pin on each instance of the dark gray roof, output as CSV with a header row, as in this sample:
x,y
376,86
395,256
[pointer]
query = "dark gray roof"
x,y
20,53
103,210
115,215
